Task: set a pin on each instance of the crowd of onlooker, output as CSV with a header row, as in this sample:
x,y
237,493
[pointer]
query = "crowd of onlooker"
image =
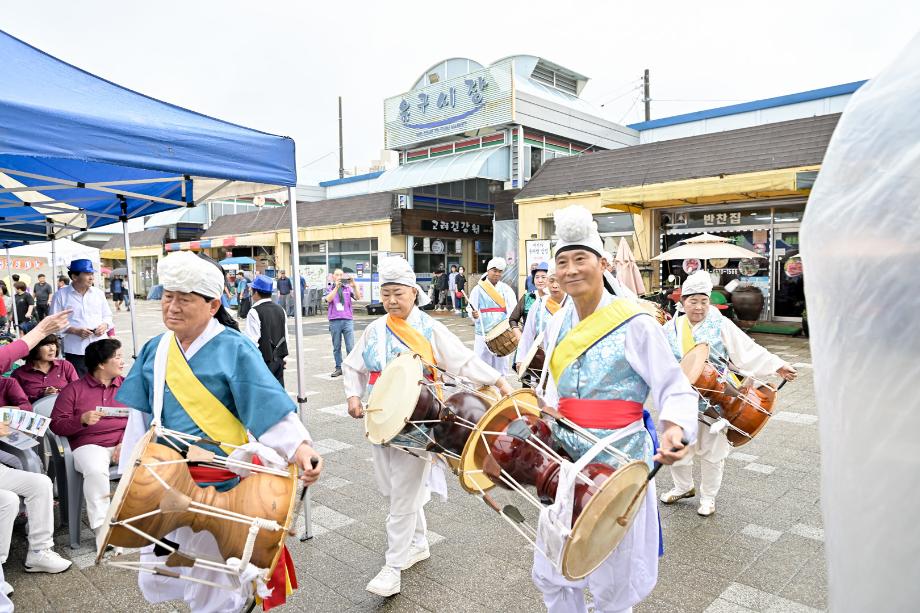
x,y
67,359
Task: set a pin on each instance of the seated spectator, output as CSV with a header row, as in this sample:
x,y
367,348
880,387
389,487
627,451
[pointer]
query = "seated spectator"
x,y
37,491
44,373
11,394
94,438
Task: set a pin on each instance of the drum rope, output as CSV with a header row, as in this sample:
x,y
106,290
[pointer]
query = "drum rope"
x,y
139,567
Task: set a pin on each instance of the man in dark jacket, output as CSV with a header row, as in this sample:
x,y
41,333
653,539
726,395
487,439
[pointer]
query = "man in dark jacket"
x,y
266,325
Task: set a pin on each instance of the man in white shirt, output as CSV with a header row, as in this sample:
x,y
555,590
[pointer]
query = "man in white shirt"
x,y
91,317
266,326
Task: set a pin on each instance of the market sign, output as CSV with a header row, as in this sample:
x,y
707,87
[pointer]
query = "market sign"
x,y
434,224
23,263
475,100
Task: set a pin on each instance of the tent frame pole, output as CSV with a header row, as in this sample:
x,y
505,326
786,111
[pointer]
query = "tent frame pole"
x,y
9,275
298,339
53,255
130,281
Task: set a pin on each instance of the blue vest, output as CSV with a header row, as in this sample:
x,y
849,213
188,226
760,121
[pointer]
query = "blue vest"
x,y
708,331
489,320
603,373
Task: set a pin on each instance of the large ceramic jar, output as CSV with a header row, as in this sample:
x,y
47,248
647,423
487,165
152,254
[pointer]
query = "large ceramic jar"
x,y
747,302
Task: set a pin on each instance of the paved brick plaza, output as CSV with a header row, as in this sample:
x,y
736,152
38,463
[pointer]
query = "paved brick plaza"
x,y
763,550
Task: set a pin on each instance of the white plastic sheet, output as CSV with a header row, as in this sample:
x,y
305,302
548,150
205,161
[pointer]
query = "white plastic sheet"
x,y
861,254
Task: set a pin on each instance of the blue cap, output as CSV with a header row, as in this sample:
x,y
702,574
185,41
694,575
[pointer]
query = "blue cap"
x,y
541,266
81,266
263,284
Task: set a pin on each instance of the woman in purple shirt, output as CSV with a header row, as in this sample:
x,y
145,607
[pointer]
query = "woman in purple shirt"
x,y
43,373
339,296
94,437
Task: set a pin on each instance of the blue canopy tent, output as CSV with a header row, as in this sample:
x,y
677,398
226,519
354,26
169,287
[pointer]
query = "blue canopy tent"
x,y
78,151
237,261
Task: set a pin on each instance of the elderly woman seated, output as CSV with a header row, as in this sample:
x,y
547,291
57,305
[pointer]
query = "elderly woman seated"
x,y
95,438
44,373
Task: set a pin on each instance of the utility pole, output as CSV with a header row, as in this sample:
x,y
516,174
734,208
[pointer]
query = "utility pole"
x,y
646,98
342,147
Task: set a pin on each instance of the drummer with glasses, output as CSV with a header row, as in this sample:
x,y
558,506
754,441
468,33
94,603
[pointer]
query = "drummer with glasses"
x,y
606,356
402,477
491,302
728,344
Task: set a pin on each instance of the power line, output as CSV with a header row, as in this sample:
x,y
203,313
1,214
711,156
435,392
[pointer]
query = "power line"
x,y
635,102
632,83
626,93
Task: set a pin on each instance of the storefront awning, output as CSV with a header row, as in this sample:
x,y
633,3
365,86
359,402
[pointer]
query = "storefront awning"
x,y
710,190
481,164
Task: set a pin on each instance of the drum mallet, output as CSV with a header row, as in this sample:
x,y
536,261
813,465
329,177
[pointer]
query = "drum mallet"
x,y
658,465
314,462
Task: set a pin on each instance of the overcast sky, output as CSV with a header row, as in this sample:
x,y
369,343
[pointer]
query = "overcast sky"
x,y
279,65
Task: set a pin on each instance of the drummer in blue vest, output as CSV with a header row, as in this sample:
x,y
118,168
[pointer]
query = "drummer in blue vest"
x,y
703,323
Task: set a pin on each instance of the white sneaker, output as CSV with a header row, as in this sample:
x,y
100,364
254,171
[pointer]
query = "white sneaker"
x,y
386,583
673,495
46,561
416,554
707,507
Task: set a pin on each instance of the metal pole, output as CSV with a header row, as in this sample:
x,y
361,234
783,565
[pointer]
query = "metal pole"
x,y
9,274
53,280
298,337
647,98
124,229
341,145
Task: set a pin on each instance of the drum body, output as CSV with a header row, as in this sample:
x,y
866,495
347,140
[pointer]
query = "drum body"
x,y
260,495
501,339
747,409
400,395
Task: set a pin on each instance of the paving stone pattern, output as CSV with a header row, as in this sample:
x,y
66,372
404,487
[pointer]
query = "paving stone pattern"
x,y
763,549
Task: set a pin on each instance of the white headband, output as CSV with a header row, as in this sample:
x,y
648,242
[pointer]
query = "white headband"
x,y
397,270
183,271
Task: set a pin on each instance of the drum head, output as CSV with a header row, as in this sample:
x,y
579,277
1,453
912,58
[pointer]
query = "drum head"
x,y
393,398
472,477
531,354
597,532
118,498
694,361
497,330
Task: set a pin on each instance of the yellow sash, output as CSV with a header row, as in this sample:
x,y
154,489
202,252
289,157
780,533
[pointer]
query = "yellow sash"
x,y
687,342
552,306
588,332
493,293
412,338
209,413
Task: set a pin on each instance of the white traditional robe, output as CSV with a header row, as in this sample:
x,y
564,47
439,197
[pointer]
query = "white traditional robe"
x,y
751,360
407,480
630,573
480,300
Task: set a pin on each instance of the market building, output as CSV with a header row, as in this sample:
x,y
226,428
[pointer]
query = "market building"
x,y
469,136
702,173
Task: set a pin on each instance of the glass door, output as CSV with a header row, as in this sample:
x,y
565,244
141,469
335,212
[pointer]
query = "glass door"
x,y
788,278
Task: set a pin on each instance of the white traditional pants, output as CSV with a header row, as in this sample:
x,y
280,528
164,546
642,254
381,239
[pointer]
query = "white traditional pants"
x,y
502,365
37,491
712,450
200,598
93,462
403,479
624,580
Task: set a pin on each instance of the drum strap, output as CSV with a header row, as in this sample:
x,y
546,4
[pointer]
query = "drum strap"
x,y
589,331
492,310
493,293
208,413
411,338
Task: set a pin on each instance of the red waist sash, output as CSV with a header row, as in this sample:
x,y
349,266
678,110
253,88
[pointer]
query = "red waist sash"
x,y
604,414
212,474
492,310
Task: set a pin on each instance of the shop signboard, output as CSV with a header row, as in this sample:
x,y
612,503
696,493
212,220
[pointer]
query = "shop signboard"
x,y
434,224
537,251
466,103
